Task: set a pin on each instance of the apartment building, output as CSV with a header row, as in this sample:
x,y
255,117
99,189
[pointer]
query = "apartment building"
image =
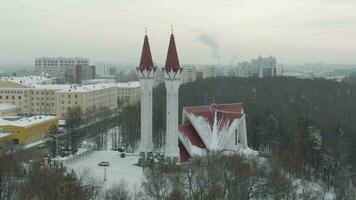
x,y
189,74
259,67
57,67
128,93
209,71
87,97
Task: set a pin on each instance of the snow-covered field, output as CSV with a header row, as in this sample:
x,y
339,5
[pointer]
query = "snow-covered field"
x,y
118,170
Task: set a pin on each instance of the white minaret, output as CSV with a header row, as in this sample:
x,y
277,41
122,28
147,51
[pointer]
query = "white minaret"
x,y
172,71
146,71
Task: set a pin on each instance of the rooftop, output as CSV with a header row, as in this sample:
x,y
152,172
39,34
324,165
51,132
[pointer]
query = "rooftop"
x,y
26,80
24,121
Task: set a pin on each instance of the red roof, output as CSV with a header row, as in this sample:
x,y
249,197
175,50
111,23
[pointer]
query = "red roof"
x,y
183,153
146,57
189,131
225,112
172,62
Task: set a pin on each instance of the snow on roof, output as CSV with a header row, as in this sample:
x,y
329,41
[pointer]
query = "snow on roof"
x,y
3,134
102,80
133,84
26,80
87,88
7,106
74,87
189,131
225,112
24,121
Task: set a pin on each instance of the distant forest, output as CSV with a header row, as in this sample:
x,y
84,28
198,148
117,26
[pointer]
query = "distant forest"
x,y
309,126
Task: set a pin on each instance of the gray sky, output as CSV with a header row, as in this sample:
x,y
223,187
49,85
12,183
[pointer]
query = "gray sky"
x,y
295,31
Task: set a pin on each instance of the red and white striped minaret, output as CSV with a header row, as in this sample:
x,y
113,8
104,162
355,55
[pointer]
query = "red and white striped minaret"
x,y
146,72
172,71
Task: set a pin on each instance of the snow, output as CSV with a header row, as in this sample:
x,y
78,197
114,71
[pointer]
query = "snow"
x,y
118,170
3,134
27,146
25,121
303,185
7,106
26,80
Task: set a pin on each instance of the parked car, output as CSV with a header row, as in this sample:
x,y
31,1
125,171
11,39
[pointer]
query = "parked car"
x,y
41,146
104,164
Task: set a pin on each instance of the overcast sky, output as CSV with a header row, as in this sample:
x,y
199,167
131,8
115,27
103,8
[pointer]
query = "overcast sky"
x,y
295,31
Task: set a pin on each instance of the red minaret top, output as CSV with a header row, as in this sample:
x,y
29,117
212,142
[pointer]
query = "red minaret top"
x,y
172,62
146,62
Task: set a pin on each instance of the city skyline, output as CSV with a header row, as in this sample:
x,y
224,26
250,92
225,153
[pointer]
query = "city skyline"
x,y
111,31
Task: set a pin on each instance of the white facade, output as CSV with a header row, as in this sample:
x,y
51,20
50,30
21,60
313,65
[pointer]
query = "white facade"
x,y
56,67
209,71
189,74
260,67
146,82
172,92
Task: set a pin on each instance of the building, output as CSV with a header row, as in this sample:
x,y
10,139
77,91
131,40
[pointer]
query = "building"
x,y
260,67
189,74
106,70
25,130
212,128
128,93
172,74
7,109
209,71
79,73
88,98
57,67
32,98
158,77
146,71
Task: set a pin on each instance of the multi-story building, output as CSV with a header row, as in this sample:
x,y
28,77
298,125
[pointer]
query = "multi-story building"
x,y
189,74
57,67
128,93
87,97
7,109
24,130
55,99
260,67
79,73
209,71
158,77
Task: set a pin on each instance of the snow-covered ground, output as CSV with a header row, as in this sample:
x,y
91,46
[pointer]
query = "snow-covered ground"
x,y
118,170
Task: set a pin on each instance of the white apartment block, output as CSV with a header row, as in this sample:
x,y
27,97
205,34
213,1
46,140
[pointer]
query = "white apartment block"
x,y
57,67
260,67
189,74
209,71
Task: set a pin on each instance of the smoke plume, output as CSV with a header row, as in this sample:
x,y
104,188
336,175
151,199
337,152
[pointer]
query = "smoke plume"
x,y
211,42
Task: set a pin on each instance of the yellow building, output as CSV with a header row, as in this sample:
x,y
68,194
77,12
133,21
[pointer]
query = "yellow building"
x,y
87,97
25,130
128,93
7,109
33,96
